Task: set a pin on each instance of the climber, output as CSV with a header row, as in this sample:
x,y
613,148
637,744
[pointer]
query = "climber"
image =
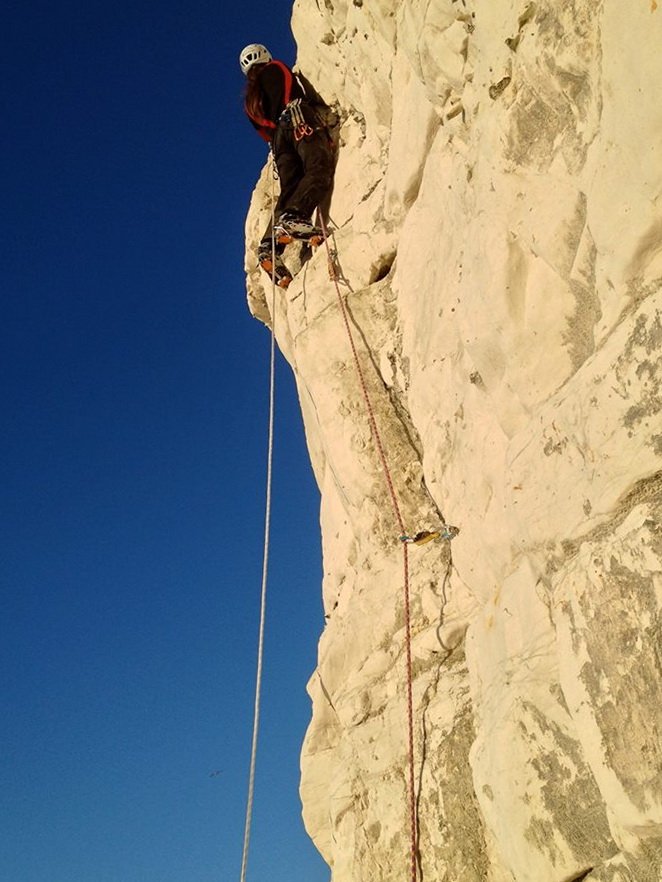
x,y
290,115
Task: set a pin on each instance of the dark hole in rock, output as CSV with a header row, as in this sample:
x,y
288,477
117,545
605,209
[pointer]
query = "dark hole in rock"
x,y
382,269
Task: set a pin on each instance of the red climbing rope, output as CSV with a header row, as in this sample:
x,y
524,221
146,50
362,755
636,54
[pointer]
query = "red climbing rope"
x,y
413,814
371,414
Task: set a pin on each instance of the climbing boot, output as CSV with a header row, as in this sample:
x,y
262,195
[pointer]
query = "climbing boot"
x,y
290,227
276,269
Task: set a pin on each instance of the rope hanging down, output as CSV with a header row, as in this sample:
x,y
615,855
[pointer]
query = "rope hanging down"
x,y
413,814
265,556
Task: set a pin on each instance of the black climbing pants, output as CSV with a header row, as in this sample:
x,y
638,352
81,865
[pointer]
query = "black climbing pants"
x,y
305,168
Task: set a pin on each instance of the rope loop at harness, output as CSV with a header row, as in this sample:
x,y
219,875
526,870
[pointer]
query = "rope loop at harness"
x,y
303,131
293,114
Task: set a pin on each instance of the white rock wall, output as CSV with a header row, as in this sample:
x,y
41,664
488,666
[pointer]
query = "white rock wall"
x,y
498,221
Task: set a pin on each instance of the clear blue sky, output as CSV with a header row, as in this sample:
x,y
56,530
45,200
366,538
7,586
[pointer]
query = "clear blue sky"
x,y
134,390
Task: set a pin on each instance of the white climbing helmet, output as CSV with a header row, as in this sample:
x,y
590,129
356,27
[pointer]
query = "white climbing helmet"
x,y
254,53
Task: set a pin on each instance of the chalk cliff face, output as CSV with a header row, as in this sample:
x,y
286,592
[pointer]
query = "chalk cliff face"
x,y
497,215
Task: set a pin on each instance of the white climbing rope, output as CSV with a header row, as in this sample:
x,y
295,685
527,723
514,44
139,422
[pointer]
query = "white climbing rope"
x,y
265,556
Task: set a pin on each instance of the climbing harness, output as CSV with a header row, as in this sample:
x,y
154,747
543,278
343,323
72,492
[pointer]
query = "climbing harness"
x,y
448,532
265,556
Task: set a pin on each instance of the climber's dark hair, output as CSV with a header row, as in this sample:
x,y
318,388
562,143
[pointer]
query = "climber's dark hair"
x,y
253,93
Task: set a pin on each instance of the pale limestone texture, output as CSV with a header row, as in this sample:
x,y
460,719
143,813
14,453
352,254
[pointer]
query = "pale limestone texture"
x,y
497,215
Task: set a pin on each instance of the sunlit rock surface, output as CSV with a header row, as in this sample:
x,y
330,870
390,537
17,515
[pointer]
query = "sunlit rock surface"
x,y
497,215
